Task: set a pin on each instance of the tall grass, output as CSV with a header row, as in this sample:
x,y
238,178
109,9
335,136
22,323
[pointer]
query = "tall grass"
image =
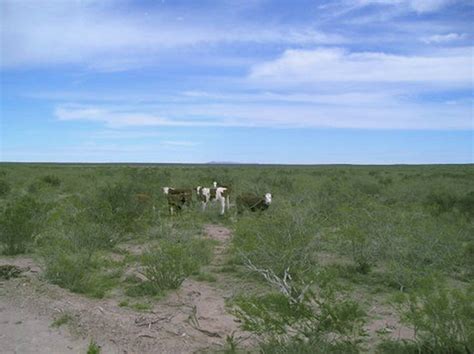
x,y
168,265
20,221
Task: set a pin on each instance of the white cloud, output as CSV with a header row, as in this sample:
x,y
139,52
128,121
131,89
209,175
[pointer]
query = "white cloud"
x,y
443,38
101,38
346,112
179,143
110,118
420,6
339,65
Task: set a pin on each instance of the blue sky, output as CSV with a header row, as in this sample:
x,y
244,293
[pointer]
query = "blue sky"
x,y
257,81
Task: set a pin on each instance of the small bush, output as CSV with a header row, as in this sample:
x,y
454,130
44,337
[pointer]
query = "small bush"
x,y
61,320
19,222
277,240
122,206
74,271
53,181
72,260
299,314
4,188
93,348
8,271
466,204
142,289
366,187
441,202
443,319
313,345
362,248
206,277
167,266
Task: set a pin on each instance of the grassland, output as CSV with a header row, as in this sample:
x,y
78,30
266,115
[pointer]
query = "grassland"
x,y
345,257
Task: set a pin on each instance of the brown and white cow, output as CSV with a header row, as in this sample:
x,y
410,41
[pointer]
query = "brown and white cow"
x,y
253,202
177,198
220,194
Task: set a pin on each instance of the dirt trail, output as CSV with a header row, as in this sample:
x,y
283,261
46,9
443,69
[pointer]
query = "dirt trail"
x,y
194,318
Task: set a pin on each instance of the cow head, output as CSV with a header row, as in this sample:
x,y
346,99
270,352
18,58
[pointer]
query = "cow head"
x,y
268,198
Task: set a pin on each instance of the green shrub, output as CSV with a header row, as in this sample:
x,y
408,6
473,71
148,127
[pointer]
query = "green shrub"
x,y
167,266
277,240
443,319
441,202
142,289
466,204
93,348
419,246
77,272
51,180
362,233
4,188
61,320
71,257
298,314
313,345
366,187
122,206
363,250
19,223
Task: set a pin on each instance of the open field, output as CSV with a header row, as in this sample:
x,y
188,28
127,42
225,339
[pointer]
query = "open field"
x,y
346,259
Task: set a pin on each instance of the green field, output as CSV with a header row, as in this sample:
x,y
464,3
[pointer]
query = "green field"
x,y
341,252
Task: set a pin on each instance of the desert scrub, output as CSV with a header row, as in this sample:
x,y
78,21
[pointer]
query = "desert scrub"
x,y
4,188
277,240
443,319
420,246
168,265
51,180
93,348
313,345
21,220
78,272
71,255
300,313
61,320
123,206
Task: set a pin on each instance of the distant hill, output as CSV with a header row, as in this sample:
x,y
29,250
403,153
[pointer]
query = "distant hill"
x,y
222,163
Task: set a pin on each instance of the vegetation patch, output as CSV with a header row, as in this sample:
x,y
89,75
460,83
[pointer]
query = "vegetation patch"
x,y
168,265
62,320
8,271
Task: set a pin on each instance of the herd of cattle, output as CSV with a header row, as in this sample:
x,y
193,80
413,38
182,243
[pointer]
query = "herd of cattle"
x,y
179,197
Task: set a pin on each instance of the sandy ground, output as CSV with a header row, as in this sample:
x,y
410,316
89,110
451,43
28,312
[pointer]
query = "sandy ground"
x,y
193,319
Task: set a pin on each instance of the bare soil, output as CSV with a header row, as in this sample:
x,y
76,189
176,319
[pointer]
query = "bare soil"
x,y
192,319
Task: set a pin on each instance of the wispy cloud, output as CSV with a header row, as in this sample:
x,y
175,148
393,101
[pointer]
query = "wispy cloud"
x,y
100,38
120,117
339,65
420,6
387,113
179,143
444,38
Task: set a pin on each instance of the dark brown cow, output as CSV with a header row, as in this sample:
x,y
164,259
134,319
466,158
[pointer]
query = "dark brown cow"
x,y
253,202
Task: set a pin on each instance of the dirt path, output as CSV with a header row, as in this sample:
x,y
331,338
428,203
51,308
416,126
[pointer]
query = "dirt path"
x,y
194,318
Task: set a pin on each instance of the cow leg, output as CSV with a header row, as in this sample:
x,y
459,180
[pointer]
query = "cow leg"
x,y
222,200
203,204
227,201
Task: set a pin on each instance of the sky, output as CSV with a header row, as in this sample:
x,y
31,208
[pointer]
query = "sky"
x,y
249,81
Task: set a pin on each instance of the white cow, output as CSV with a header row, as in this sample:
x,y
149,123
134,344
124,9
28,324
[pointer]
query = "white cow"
x,y
219,194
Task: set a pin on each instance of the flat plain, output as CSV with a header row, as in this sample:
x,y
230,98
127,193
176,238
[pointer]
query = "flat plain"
x,y
346,259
